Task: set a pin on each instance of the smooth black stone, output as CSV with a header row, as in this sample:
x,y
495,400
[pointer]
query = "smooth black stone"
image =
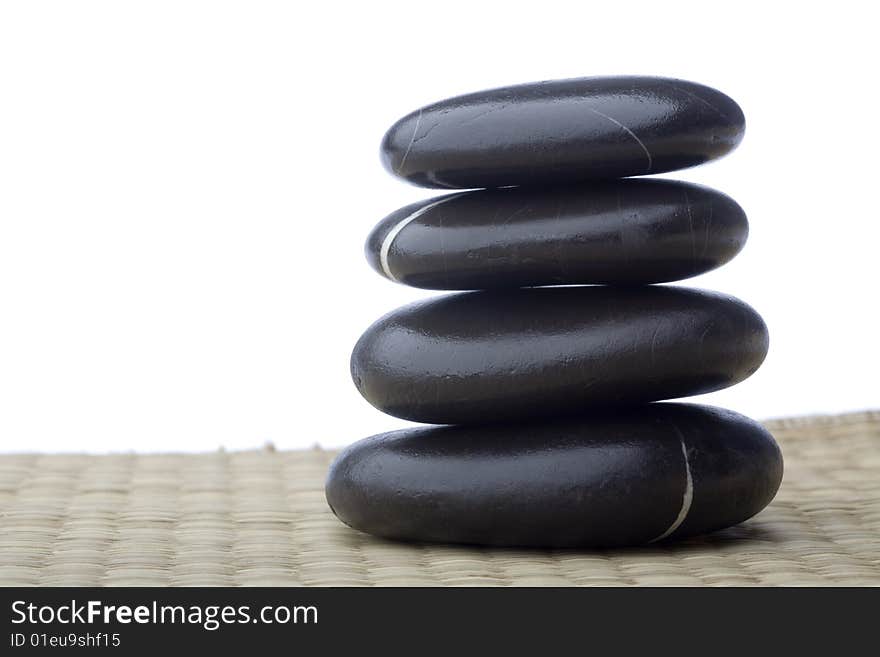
x,y
490,356
651,472
621,232
562,131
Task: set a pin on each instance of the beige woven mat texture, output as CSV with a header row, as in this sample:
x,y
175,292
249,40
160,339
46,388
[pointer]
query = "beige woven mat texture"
x,y
259,518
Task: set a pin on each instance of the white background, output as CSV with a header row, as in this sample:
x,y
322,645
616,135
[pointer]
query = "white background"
x,y
185,188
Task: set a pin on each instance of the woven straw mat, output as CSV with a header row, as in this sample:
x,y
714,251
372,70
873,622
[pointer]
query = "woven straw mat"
x,y
259,518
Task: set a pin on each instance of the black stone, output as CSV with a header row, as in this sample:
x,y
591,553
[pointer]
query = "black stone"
x,y
489,356
563,131
649,473
620,232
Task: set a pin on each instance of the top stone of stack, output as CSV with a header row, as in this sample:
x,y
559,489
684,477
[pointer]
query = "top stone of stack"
x,y
565,131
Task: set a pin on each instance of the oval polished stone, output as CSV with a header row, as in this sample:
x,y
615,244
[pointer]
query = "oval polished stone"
x,y
649,473
620,232
563,131
489,356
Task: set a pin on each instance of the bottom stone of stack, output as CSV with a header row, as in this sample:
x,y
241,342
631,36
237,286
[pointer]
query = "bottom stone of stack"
x,y
628,477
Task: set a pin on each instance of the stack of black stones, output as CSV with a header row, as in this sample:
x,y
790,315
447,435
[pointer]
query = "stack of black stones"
x,y
546,369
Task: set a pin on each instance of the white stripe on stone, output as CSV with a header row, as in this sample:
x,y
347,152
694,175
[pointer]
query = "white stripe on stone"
x,y
687,498
394,232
